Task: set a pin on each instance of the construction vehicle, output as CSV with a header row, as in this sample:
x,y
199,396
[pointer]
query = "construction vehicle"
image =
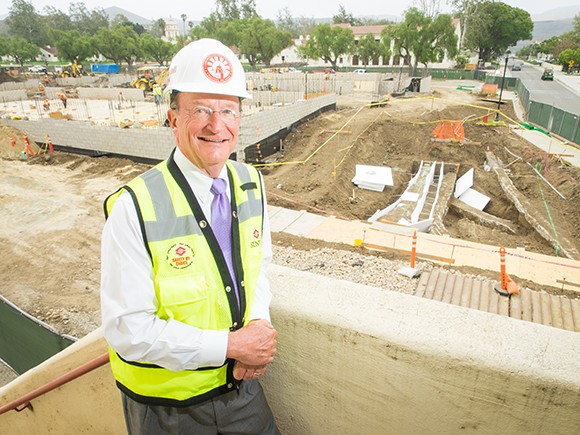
x,y
72,70
148,76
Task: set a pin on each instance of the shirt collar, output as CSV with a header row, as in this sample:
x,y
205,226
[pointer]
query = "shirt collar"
x,y
198,180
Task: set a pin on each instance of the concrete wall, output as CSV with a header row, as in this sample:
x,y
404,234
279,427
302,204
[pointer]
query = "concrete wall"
x,y
129,94
157,143
354,359
13,95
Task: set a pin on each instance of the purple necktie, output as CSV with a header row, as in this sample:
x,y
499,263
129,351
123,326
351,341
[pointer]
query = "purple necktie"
x,y
221,223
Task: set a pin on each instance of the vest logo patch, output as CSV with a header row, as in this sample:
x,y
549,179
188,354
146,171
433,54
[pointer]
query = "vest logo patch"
x,y
180,256
258,242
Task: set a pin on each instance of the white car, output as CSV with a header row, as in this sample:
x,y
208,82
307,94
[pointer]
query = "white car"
x,y
360,71
37,69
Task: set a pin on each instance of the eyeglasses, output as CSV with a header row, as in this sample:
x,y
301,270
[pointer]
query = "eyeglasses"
x,y
202,114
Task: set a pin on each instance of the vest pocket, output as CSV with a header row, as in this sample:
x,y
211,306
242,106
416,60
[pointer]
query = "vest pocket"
x,y
184,298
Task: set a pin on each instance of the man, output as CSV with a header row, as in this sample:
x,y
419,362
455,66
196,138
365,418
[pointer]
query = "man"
x,y
157,94
184,294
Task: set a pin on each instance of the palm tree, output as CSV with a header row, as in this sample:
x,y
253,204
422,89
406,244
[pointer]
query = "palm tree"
x,y
183,18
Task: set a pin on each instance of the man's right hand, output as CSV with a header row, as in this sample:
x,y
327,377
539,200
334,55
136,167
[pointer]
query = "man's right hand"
x,y
254,344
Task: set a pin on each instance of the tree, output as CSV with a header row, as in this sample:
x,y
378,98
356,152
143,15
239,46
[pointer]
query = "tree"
x,y
422,39
496,27
368,49
569,55
23,21
431,8
261,40
156,49
230,10
71,45
86,21
466,11
345,18
158,28
328,43
21,50
117,44
56,19
184,18
296,26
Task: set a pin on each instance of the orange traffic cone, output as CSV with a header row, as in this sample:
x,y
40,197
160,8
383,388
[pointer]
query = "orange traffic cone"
x,y
507,286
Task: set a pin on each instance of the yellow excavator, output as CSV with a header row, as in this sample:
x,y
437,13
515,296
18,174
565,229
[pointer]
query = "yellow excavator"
x,y
73,70
148,76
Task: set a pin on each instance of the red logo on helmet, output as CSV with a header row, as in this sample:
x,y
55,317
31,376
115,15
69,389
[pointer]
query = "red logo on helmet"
x,y
218,68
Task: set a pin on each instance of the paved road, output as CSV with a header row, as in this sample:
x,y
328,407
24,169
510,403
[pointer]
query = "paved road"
x,y
548,92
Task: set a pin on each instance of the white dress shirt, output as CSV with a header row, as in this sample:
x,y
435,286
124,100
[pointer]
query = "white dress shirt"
x,y
128,300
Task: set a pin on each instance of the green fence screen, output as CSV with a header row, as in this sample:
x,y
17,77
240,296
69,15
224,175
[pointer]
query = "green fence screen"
x,y
25,341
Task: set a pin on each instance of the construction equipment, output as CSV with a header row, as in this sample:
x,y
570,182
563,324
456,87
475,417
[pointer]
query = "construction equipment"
x,y
72,70
148,76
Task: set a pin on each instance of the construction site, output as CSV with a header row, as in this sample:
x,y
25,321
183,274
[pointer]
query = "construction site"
x,y
425,243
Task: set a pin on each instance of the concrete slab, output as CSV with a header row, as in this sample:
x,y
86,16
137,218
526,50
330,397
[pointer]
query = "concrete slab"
x,y
305,224
340,231
281,220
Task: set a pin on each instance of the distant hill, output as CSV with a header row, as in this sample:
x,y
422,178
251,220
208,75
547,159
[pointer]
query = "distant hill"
x,y
113,11
563,13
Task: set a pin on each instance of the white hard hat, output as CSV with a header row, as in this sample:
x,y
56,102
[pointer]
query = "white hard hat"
x,y
207,66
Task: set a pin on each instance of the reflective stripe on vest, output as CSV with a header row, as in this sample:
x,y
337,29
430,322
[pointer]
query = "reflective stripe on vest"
x,y
191,280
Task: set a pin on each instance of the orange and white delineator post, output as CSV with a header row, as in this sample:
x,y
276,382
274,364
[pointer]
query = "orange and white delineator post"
x,y
411,271
507,286
414,249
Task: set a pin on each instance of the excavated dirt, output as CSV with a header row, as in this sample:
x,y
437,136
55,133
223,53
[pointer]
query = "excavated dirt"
x,y
400,137
51,205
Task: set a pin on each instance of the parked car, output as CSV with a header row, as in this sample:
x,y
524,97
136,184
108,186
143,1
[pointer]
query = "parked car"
x,y
548,74
517,66
360,71
37,69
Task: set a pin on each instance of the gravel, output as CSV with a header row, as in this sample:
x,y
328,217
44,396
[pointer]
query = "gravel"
x,y
349,266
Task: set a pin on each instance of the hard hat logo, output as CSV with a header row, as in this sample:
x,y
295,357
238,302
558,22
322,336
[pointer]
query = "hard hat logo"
x,y
218,68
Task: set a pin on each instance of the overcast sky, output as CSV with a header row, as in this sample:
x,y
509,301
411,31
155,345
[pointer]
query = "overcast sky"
x,y
197,10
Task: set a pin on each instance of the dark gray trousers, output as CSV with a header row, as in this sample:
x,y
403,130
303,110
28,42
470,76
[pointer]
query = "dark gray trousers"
x,y
229,414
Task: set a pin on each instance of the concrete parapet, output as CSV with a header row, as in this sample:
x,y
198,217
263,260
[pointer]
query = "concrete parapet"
x,y
355,359
361,360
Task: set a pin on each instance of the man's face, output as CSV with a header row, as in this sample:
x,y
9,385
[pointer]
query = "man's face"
x,y
206,143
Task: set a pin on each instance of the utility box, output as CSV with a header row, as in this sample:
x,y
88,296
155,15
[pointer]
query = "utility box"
x,y
105,68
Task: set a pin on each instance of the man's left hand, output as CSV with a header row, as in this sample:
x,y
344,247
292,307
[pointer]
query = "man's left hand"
x,y
246,372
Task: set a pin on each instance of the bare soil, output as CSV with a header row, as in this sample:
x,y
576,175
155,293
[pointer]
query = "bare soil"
x,y
51,205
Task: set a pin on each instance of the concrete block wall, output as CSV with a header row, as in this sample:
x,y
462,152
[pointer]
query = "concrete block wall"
x,y
13,95
153,144
156,143
119,79
129,94
11,86
77,81
51,91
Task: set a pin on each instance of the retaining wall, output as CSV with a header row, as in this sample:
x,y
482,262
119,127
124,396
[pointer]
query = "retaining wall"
x,y
355,359
156,143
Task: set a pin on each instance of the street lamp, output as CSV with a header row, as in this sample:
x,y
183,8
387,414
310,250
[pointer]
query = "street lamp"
x,y
507,56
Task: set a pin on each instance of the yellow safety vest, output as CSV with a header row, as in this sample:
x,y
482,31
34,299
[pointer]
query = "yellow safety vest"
x,y
191,278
